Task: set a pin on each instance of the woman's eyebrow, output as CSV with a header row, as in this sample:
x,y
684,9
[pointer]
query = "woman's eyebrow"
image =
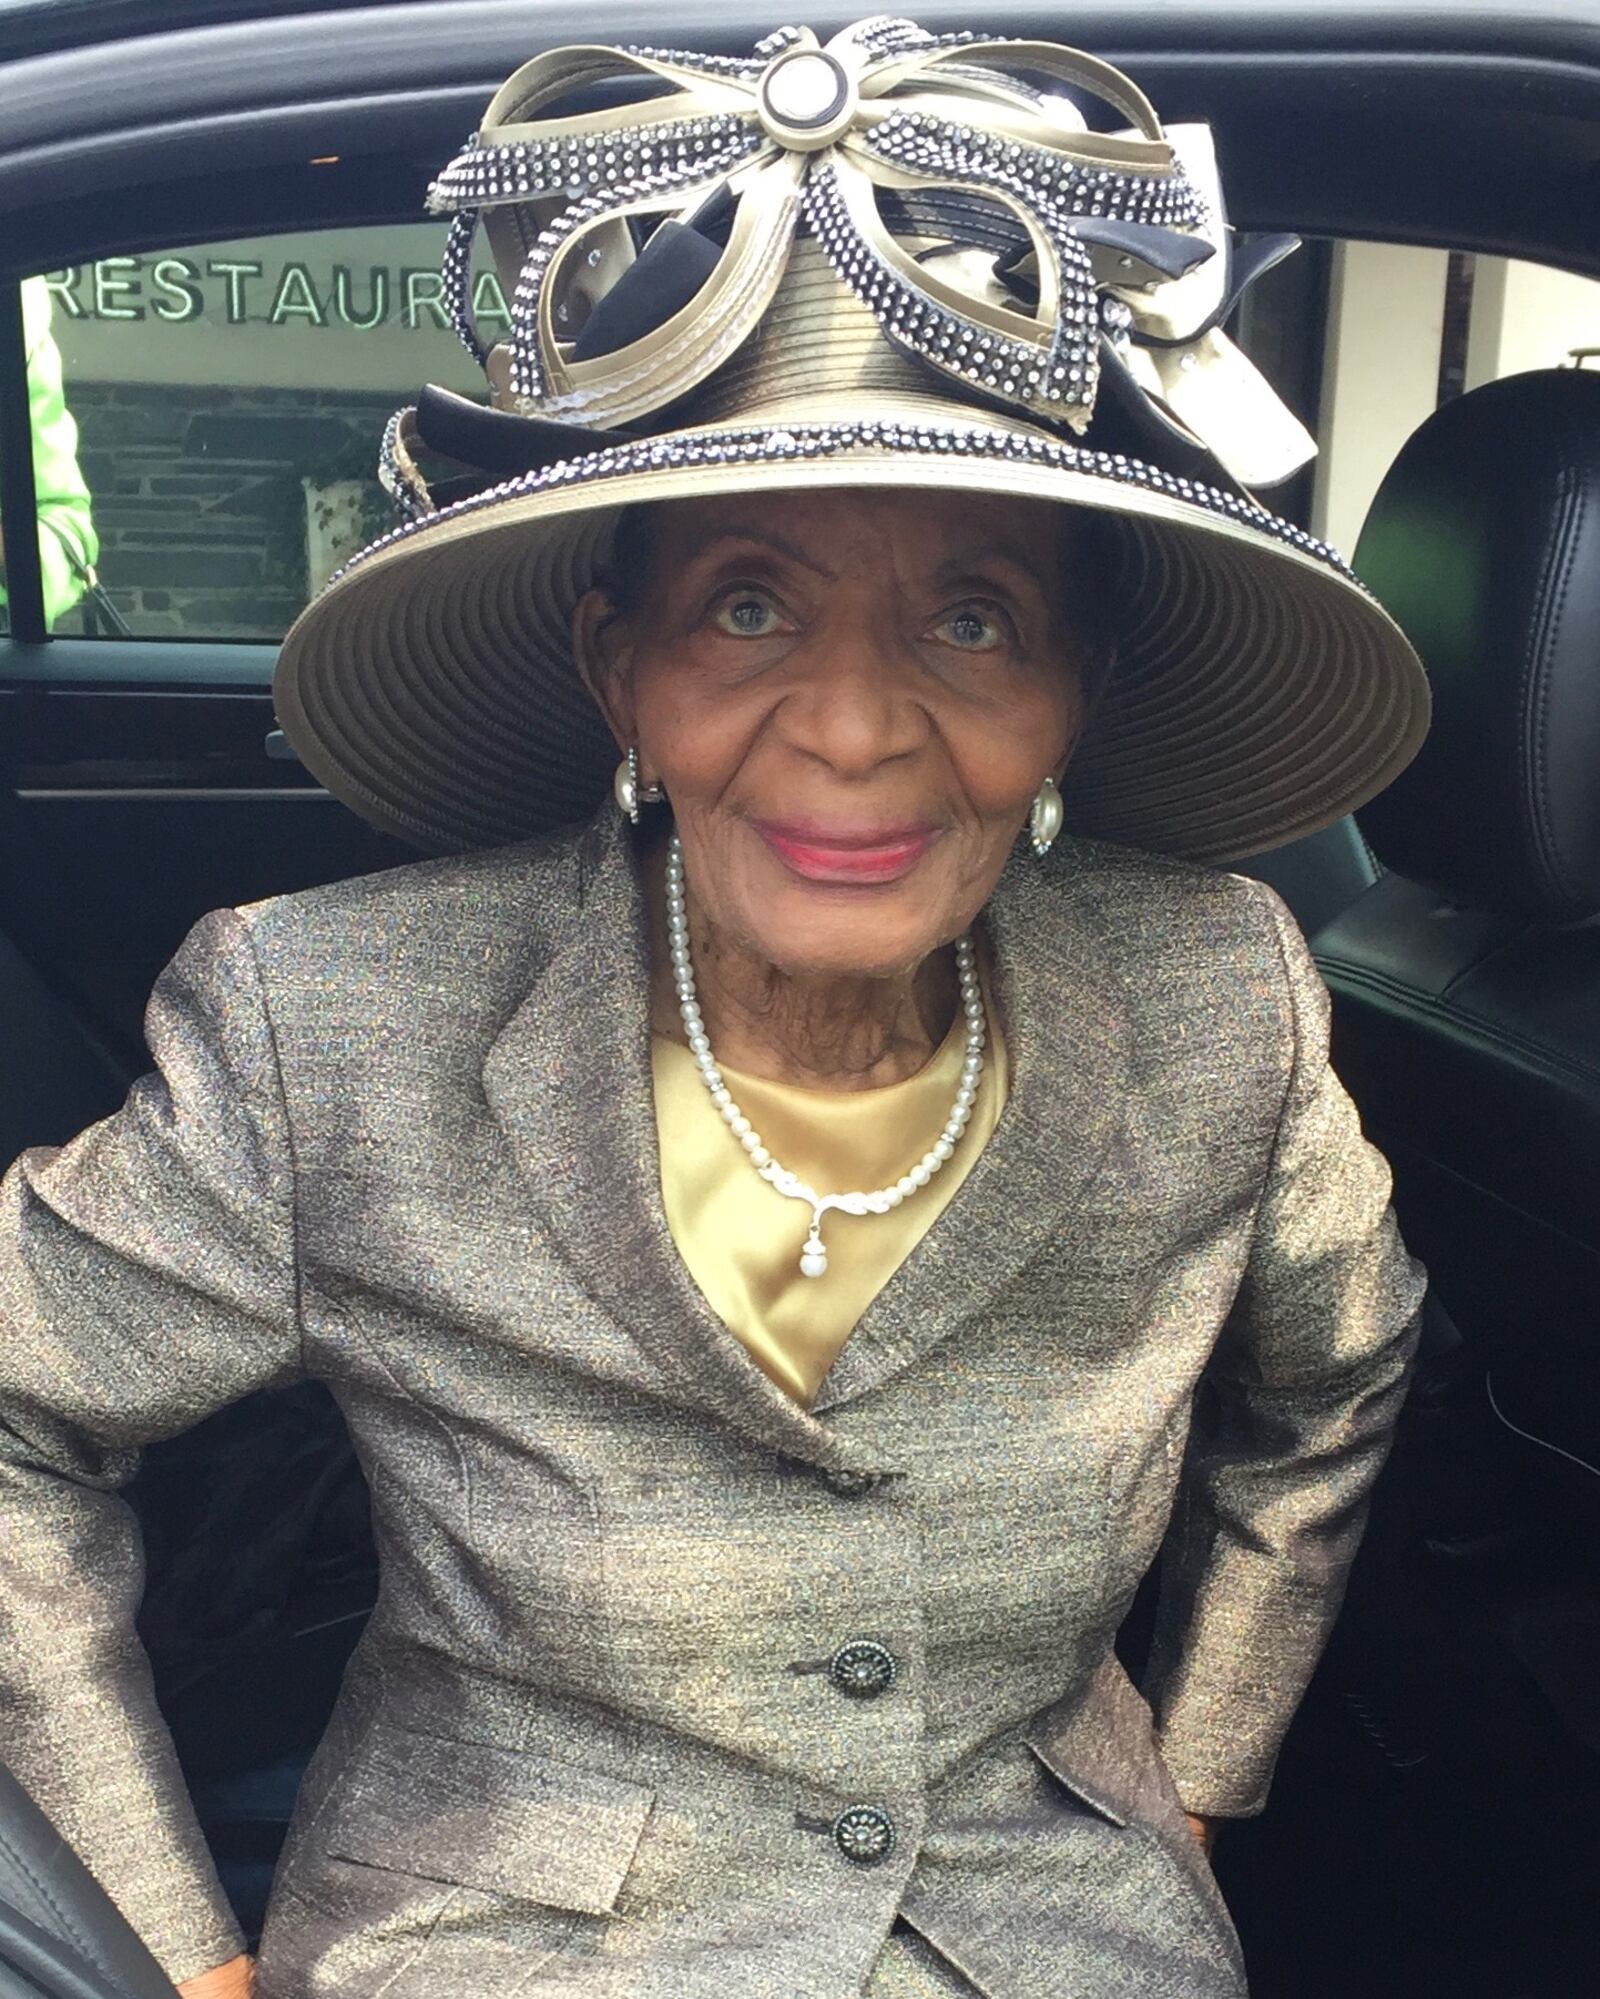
x,y
769,539
965,565
969,563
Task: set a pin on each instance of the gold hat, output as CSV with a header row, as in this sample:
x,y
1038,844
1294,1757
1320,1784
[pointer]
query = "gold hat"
x,y
849,264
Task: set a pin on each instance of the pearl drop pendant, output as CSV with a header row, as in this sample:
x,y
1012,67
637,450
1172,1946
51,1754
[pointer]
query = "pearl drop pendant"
x,y
814,1257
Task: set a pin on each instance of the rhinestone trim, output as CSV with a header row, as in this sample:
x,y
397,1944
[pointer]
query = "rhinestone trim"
x,y
455,272
926,144
743,67
411,503
527,376
779,40
766,444
481,176
888,35
1066,371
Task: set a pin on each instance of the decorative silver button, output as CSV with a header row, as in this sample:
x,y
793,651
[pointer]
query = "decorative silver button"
x,y
806,99
864,1834
862,1667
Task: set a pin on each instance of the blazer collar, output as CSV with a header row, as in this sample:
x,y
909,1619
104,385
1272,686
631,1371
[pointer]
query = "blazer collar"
x,y
569,1080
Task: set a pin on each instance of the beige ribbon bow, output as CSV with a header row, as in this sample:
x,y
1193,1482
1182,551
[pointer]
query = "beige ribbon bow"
x,y
858,136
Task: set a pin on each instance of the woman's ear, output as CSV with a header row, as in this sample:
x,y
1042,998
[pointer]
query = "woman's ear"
x,y
601,653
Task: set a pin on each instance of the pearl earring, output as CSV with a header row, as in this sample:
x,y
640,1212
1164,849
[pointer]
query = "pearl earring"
x,y
1044,821
627,790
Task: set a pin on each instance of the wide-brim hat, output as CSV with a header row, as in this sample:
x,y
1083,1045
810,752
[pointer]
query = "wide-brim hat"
x,y
737,283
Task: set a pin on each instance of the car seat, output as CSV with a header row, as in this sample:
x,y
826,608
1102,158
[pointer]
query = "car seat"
x,y
1443,1768
1466,978
60,1936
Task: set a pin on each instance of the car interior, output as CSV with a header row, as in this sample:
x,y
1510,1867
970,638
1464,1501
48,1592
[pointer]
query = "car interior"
x,y
1434,1827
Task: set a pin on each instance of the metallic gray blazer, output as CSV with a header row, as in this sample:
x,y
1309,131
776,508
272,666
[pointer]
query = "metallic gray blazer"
x,y
400,1137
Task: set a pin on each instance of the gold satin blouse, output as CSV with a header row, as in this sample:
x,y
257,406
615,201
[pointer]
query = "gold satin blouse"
x,y
741,1239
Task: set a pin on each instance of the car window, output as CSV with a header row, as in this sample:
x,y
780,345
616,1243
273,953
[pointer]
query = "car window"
x,y
206,419
220,408
210,452
1409,328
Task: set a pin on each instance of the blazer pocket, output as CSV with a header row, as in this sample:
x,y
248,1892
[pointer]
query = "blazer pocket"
x,y
1090,1788
1101,1747
484,1861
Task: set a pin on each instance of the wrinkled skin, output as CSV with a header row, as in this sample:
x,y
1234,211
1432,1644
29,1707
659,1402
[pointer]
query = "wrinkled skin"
x,y
846,662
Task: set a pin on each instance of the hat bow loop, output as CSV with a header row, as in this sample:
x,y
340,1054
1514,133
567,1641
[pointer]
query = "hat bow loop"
x,y
955,187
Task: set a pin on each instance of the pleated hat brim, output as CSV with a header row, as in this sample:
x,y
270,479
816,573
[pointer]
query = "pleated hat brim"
x,y
1259,693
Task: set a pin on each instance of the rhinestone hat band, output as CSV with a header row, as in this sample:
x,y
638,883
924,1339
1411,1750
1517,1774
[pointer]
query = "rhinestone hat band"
x,y
763,443
1117,240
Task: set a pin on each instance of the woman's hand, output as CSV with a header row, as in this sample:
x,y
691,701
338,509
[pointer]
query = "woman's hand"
x,y
1204,1830
233,1980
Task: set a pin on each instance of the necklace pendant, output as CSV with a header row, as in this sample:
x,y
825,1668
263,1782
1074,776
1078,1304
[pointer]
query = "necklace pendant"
x,y
814,1258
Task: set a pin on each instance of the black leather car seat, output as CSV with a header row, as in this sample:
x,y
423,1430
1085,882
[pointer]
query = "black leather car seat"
x,y
1466,978
1319,875
60,1936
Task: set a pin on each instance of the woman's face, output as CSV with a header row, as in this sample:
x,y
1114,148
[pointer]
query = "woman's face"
x,y
850,699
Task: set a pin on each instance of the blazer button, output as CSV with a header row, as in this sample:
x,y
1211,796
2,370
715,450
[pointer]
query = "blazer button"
x,y
862,1667
864,1834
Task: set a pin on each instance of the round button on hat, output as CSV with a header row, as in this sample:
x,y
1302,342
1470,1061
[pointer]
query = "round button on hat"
x,y
807,99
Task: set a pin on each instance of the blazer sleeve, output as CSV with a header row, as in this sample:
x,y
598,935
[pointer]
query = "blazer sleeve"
x,y
1293,1424
146,1279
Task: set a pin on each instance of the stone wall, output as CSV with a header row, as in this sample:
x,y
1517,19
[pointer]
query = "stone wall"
x,y
200,498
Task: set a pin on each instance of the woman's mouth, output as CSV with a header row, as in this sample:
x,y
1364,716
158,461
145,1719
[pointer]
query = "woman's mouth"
x,y
865,857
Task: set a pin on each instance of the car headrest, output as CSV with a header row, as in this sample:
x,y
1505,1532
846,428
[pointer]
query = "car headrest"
x,y
1484,544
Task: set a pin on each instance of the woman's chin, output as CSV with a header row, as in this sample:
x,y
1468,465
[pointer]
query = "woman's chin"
x,y
812,932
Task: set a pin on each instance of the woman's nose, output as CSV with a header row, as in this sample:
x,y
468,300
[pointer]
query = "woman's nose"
x,y
856,704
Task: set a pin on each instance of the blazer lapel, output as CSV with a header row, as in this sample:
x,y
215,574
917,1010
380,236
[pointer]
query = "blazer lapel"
x,y
569,1081
1065,1013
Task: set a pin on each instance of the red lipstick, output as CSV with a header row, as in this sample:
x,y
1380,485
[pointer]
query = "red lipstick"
x,y
865,857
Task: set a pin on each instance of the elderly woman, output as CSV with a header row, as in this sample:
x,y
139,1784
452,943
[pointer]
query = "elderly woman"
x,y
796,1229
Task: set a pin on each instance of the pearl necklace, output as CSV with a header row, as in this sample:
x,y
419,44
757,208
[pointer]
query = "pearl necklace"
x,y
814,1258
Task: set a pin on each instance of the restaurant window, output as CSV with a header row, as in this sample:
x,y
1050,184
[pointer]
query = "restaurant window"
x,y
228,401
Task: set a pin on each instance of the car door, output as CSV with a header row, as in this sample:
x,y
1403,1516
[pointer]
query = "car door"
x,y
238,292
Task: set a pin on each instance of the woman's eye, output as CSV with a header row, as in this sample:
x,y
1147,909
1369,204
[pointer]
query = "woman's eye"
x,y
746,615
974,629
